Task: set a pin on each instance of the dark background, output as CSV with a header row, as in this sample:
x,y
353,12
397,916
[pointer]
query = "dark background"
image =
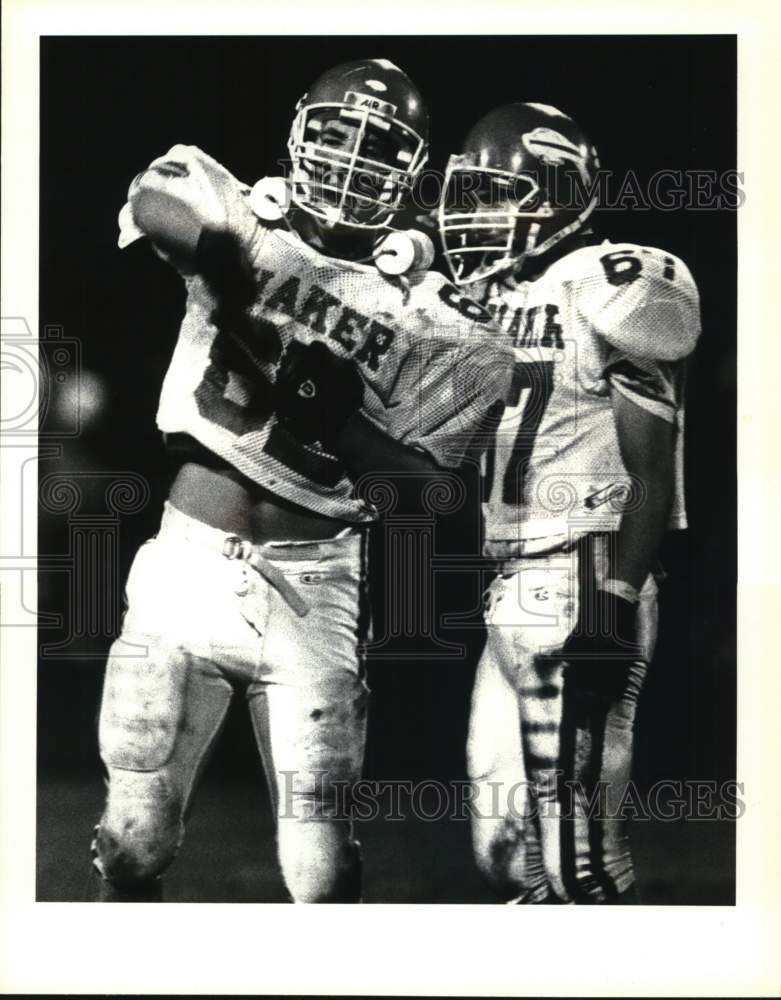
x,y
110,105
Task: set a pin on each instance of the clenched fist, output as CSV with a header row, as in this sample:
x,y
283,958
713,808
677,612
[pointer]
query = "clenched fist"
x,y
316,392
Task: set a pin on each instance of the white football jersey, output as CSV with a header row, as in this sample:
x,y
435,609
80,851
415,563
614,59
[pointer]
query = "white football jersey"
x,y
603,319
430,370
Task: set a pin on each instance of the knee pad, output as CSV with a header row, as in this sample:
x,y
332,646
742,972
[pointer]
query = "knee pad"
x,y
126,860
507,861
493,859
320,862
140,831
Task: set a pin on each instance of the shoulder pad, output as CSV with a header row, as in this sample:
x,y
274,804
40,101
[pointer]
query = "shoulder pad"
x,y
641,300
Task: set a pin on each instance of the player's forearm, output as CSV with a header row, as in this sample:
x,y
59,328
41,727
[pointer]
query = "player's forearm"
x,y
640,535
647,448
365,449
368,452
318,396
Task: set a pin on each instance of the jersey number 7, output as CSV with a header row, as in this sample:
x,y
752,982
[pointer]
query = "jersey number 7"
x,y
530,392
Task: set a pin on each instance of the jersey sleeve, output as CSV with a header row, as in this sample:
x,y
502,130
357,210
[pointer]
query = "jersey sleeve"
x,y
641,301
444,392
656,386
179,195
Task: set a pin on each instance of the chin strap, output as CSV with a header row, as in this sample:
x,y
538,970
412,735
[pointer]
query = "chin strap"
x,y
560,234
532,251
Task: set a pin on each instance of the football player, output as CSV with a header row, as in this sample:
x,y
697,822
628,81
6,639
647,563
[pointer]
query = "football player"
x,y
315,348
585,478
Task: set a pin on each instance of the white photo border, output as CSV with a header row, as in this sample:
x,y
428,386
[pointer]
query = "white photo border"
x,y
389,949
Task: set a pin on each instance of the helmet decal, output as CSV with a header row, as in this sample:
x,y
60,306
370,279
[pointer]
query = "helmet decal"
x,y
554,149
362,101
